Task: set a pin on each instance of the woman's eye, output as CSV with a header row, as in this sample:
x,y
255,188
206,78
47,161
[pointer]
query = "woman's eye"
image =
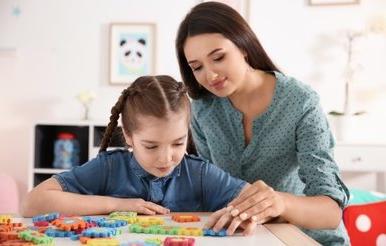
x,y
196,68
178,144
218,58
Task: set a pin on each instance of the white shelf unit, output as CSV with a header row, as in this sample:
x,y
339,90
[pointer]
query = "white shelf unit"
x,y
88,134
364,158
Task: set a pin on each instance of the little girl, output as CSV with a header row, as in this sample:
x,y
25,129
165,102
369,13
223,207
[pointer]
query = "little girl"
x,y
156,177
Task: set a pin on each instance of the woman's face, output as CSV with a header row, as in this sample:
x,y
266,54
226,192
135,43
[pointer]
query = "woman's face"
x,y
217,63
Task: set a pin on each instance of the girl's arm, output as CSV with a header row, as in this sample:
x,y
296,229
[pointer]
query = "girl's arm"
x,y
49,197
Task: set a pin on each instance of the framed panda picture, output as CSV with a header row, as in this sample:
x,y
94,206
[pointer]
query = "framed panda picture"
x,y
132,51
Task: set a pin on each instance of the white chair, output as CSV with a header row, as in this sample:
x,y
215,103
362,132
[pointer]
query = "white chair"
x,y
9,195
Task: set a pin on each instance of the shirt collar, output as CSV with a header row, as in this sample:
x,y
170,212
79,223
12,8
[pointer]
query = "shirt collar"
x,y
142,173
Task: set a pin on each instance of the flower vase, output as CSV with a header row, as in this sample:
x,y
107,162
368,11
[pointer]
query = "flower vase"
x,y
342,126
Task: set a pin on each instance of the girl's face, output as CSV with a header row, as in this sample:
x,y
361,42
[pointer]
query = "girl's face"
x,y
217,63
160,144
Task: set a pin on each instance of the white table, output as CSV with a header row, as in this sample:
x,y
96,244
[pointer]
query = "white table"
x,y
268,234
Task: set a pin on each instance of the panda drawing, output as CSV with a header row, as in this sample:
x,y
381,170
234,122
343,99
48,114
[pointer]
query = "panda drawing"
x,y
133,55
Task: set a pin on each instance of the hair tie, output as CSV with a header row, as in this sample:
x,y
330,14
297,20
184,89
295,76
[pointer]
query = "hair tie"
x,y
181,88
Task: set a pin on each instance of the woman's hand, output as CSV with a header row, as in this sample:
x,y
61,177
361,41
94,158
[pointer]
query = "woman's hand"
x,y
140,206
223,218
259,203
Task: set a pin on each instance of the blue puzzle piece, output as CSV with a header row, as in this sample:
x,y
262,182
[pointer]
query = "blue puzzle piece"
x,y
211,233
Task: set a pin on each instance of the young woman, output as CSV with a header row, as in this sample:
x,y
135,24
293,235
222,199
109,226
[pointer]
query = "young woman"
x,y
261,126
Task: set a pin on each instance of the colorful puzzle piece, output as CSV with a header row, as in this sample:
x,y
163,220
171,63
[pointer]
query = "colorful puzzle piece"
x,y
93,219
179,241
5,219
45,217
124,213
112,223
153,241
185,218
16,242
155,229
5,227
100,232
150,221
211,233
41,223
35,237
9,235
130,217
69,223
190,231
58,233
103,242
168,230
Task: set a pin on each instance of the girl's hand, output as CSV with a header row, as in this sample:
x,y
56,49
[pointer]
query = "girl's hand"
x,y
223,218
140,206
259,203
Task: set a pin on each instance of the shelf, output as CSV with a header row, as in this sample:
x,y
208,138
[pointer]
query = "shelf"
x,y
45,136
49,170
88,134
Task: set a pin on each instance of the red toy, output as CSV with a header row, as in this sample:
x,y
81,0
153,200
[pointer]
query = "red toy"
x,y
178,241
365,224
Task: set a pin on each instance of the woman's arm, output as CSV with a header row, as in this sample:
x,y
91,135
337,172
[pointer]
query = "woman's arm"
x,y
259,203
263,203
49,197
318,212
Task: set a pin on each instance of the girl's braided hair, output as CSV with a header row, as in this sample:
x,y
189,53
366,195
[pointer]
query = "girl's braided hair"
x,y
148,96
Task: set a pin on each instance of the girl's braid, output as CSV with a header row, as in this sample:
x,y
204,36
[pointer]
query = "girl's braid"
x,y
115,112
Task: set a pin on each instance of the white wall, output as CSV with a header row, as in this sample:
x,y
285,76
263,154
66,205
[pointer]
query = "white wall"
x,y
54,49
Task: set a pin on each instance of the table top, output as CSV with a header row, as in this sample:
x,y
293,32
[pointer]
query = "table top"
x,y
267,234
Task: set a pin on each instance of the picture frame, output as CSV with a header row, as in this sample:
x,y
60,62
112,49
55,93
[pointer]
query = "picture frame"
x,y
332,2
241,6
132,51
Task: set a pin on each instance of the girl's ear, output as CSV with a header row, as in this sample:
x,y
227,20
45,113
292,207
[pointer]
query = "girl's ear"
x,y
128,139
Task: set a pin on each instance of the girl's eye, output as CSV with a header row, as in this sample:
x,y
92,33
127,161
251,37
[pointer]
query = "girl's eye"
x,y
150,147
178,144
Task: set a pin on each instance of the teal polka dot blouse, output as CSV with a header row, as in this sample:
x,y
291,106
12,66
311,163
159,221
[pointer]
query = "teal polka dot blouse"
x,y
291,148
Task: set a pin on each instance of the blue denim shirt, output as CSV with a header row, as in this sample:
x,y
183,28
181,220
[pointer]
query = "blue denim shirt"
x,y
194,185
